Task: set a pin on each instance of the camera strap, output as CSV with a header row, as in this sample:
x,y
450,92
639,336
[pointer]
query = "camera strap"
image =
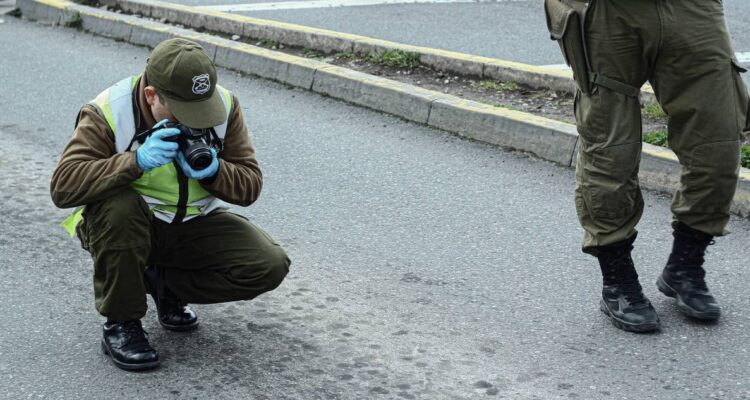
x,y
140,137
215,141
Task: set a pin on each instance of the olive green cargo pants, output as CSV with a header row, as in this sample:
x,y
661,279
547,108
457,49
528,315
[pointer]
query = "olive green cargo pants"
x,y
683,49
212,259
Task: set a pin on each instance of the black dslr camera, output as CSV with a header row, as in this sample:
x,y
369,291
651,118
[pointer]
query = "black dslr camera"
x,y
194,144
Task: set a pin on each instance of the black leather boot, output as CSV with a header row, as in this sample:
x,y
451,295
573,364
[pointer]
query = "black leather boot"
x,y
126,344
173,313
623,300
684,277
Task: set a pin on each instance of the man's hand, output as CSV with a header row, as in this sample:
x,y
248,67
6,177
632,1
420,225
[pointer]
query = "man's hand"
x,y
207,172
156,152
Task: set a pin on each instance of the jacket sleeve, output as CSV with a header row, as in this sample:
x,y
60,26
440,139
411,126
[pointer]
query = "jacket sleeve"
x,y
239,179
90,169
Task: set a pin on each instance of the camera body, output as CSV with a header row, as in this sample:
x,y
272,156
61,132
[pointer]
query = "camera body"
x,y
194,145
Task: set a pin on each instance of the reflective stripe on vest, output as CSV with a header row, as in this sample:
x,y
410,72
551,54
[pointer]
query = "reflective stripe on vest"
x,y
160,186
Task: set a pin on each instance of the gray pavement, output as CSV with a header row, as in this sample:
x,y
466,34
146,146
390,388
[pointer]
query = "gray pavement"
x,y
424,266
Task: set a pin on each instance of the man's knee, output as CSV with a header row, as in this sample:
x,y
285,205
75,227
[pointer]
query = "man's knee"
x,y
276,268
121,221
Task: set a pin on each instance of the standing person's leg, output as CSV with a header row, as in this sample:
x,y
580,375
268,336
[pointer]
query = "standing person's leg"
x,y
218,258
700,88
621,44
117,233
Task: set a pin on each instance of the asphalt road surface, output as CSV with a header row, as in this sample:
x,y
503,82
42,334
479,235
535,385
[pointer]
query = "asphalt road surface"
x,y
424,266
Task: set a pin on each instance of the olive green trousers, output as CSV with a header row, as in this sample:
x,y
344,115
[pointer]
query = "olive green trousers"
x,y
683,49
211,259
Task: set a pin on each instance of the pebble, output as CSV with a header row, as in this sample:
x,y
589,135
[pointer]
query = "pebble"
x,y
235,37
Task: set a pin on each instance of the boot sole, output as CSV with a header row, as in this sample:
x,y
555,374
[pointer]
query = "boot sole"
x,y
129,367
626,326
684,308
179,328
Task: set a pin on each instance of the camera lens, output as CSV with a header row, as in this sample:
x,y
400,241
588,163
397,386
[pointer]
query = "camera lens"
x,y
198,156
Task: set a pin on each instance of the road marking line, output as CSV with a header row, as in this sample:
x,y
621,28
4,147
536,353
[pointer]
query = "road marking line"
x,y
295,5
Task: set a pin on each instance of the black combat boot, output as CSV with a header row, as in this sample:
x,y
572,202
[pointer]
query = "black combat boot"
x,y
173,313
683,277
126,343
623,300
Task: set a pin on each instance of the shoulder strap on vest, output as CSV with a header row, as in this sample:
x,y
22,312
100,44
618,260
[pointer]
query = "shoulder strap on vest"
x,y
116,104
226,96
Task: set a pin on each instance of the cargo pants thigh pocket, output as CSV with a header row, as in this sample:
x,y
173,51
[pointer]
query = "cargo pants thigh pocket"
x,y
565,23
741,100
592,115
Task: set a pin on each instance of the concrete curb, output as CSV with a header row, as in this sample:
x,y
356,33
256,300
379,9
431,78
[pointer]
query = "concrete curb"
x,y
332,41
548,139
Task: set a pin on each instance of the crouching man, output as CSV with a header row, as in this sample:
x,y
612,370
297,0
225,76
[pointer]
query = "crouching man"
x,y
149,164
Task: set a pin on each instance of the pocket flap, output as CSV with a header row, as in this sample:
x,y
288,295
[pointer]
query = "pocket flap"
x,y
558,16
737,65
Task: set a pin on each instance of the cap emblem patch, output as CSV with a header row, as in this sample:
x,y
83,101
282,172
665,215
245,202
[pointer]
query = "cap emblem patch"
x,y
201,84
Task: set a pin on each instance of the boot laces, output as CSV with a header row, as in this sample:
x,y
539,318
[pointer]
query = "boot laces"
x,y
134,333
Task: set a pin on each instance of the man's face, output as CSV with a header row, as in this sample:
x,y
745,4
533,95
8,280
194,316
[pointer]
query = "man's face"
x,y
159,109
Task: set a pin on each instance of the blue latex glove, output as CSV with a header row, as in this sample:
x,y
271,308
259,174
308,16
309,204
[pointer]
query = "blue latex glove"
x,y
207,172
155,152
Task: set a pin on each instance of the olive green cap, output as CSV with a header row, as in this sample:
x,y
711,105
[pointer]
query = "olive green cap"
x,y
184,75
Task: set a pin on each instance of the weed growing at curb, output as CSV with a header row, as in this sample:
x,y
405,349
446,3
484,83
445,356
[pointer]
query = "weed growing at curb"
x,y
497,86
16,12
657,138
395,58
344,55
74,21
745,156
653,110
268,43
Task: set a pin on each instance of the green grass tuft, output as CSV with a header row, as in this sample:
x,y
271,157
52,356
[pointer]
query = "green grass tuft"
x,y
745,157
657,138
74,21
653,110
345,55
395,58
270,43
496,86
